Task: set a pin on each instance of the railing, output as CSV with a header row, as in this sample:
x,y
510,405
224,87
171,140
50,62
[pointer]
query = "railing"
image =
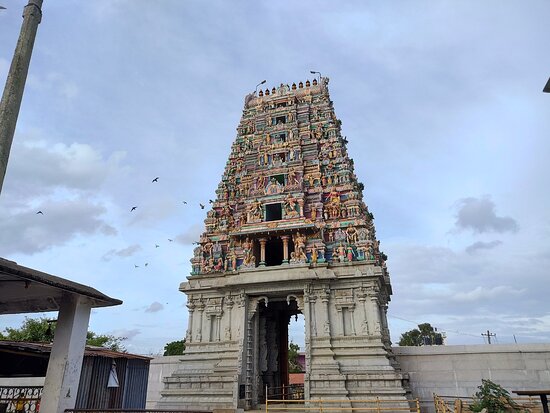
x,y
134,411
453,404
20,399
290,392
338,405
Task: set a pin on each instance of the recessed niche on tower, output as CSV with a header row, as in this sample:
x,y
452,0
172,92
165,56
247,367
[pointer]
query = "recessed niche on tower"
x,y
273,212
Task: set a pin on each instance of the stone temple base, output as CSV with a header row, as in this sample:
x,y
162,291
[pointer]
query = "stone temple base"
x,y
238,329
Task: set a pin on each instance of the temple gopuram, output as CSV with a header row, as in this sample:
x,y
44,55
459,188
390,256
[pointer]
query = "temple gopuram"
x,y
288,233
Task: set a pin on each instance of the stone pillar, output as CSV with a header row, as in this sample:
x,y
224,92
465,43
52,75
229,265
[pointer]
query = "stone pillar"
x,y
285,239
229,303
301,205
218,326
200,307
352,319
15,83
362,298
191,308
384,323
340,312
63,375
325,298
262,251
375,311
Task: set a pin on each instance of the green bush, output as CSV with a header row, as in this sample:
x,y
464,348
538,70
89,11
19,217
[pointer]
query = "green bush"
x,y
494,398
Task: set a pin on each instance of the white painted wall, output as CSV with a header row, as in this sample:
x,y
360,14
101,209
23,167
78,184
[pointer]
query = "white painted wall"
x,y
445,370
458,370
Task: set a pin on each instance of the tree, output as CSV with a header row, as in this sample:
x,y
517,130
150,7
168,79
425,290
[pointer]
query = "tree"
x,y
293,365
107,341
424,334
174,348
42,330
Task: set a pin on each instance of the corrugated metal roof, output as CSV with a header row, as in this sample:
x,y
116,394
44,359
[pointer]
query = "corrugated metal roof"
x,y
90,351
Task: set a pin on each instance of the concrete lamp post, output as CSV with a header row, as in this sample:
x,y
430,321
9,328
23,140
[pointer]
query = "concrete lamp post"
x,y
15,83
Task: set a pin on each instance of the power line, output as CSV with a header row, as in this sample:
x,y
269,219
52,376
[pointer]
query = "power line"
x,y
438,328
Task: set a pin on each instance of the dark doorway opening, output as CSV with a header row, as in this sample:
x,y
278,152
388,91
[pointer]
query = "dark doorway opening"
x,y
274,252
273,212
273,353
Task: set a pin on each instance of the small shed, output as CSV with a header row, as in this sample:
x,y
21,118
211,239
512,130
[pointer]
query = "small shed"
x,y
25,290
108,379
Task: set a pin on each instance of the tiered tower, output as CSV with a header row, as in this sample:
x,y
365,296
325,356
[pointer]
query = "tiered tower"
x,y
288,233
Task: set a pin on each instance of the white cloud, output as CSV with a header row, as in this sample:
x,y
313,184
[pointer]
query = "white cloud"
x,y
124,252
480,245
125,333
155,307
37,168
480,293
27,232
478,214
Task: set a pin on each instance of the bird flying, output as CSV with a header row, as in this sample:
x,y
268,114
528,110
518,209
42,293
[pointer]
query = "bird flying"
x,y
170,240
136,266
133,209
40,212
185,202
155,180
202,206
210,201
157,245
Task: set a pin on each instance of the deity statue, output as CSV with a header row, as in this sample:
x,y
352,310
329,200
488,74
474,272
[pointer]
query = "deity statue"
x,y
290,207
339,235
219,265
351,234
207,248
341,253
314,255
371,252
334,197
248,258
313,216
343,212
274,187
217,249
197,252
255,211
349,252
233,261
299,244
361,250
363,234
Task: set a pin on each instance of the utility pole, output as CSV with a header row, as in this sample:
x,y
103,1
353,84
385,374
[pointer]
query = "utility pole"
x,y
489,335
15,83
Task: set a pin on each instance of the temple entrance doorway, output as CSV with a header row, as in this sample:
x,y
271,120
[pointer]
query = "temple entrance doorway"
x,y
273,341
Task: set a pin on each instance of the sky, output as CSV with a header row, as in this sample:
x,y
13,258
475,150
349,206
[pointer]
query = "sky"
x,y
441,103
